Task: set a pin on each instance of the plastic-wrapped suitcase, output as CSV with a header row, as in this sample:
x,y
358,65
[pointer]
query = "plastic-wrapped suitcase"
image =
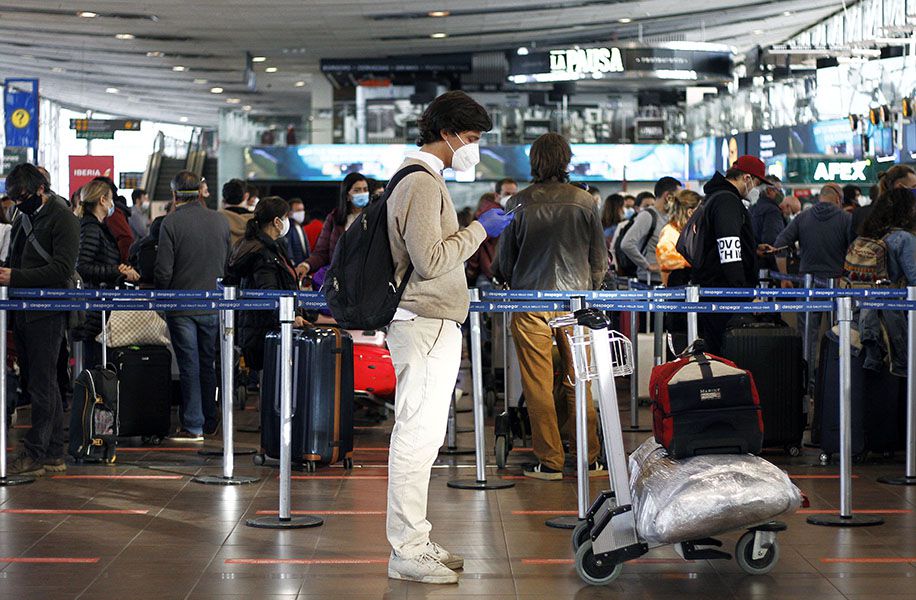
x,y
322,399
773,353
145,377
875,401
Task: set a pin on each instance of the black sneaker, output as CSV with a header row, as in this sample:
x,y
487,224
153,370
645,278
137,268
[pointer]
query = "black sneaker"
x,y
183,435
55,465
25,465
542,472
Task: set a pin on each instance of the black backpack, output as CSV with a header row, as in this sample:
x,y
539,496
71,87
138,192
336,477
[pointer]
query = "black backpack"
x,y
625,265
360,284
143,258
691,244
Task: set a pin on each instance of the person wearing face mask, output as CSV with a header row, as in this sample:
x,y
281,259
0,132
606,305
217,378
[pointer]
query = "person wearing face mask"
x,y
118,221
235,210
479,268
296,241
429,250
767,220
613,213
259,262
729,257
194,242
43,251
254,196
354,197
99,260
505,189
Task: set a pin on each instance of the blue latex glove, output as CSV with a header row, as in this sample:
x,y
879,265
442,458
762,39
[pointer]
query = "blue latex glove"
x,y
494,221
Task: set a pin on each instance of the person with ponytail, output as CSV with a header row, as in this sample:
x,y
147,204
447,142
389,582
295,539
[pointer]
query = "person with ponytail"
x,y
259,262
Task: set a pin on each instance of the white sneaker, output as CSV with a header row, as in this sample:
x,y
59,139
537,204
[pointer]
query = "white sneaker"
x,y
424,568
452,561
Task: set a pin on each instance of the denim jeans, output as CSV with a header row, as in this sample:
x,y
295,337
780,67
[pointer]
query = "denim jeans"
x,y
194,340
38,344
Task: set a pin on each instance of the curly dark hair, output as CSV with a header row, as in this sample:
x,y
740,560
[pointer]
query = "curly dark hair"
x,y
452,112
893,209
550,157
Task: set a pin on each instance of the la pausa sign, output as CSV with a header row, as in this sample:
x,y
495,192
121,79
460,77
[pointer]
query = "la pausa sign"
x,y
586,61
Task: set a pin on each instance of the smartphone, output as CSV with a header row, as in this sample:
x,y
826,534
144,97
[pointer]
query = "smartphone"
x,y
777,250
517,206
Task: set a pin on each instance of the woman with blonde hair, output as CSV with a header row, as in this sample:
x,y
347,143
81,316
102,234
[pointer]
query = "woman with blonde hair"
x,y
675,269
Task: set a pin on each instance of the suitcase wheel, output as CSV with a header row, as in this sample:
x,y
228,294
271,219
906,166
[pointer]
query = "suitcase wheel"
x,y
592,570
348,463
824,459
489,401
744,554
309,466
793,450
152,440
502,451
259,459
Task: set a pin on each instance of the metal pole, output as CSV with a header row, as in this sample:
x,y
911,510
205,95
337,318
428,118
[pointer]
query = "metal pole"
x,y
649,283
76,347
4,478
285,520
909,478
480,483
577,304
227,383
807,350
693,295
831,283
845,518
634,376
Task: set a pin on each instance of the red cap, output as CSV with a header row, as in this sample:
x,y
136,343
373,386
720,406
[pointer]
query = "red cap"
x,y
752,166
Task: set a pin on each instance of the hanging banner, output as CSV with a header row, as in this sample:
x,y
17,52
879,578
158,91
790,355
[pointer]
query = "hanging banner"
x,y
84,169
20,110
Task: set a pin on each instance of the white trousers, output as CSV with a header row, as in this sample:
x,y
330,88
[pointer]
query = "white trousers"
x,y
427,355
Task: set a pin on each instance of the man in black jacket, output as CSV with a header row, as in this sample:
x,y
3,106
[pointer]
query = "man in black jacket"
x,y
729,256
45,243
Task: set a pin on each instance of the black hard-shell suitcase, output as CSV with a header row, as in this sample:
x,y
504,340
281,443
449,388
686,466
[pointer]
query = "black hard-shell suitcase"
x,y
773,352
145,375
875,404
322,399
94,416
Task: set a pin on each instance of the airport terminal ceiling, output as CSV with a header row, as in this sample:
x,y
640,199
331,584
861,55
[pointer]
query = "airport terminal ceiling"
x,y
184,61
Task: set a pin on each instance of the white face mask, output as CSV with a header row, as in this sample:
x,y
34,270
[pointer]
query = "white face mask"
x,y
298,216
754,195
254,204
465,157
864,200
284,228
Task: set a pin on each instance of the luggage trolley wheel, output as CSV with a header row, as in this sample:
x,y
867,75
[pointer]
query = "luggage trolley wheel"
x,y
348,464
489,401
744,555
241,396
793,450
593,570
259,459
581,534
309,466
502,451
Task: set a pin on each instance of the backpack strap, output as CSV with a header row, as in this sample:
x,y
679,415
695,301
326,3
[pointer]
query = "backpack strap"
x,y
389,188
27,228
645,241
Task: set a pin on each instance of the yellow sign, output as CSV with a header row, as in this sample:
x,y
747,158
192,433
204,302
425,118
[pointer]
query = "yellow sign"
x,y
20,118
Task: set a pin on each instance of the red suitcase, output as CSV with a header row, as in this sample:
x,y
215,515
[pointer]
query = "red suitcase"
x,y
703,404
373,371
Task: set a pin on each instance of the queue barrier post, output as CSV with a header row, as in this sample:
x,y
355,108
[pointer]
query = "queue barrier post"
x,y
480,481
227,384
5,479
576,304
807,350
693,295
831,284
909,477
285,520
845,518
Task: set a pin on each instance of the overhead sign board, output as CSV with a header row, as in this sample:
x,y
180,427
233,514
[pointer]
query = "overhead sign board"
x,y
84,169
829,169
650,130
104,125
428,63
682,61
20,109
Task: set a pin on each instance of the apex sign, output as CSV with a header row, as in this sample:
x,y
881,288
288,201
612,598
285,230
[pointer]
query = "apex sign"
x,y
841,171
586,61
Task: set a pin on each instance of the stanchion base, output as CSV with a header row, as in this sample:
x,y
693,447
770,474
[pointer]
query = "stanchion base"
x,y
636,429
462,411
563,522
219,452
248,429
220,480
11,480
464,429
904,480
841,521
456,451
473,484
302,522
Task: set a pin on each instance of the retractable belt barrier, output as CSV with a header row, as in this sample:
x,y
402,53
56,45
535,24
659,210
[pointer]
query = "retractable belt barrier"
x,y
639,298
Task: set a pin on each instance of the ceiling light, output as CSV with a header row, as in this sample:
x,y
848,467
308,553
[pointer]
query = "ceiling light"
x,y
758,32
300,84
271,70
86,14
179,68
625,20
439,36
216,90
183,119
155,54
233,101
438,13
200,81
125,36
787,13
26,56
523,51
246,108
111,90
58,69
258,58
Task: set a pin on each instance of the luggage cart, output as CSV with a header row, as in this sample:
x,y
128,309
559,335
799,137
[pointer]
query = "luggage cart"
x,y
607,538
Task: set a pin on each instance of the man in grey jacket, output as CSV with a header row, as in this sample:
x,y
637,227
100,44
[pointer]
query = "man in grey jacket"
x,y
640,240
193,246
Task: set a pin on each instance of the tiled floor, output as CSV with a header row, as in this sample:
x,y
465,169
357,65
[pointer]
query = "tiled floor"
x,y
162,536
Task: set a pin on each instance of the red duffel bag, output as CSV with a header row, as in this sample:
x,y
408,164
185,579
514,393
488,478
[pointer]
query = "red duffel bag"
x,y
373,371
703,404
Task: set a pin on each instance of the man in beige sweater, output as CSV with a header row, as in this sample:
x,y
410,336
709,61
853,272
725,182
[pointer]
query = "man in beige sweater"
x,y
425,336
235,194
